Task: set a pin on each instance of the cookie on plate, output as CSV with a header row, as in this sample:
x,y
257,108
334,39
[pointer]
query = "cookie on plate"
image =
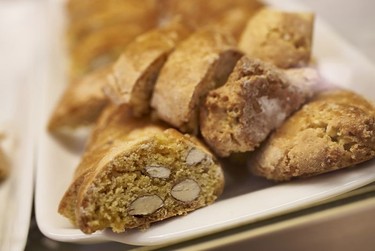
x,y
256,99
279,37
135,172
200,63
334,131
130,80
134,74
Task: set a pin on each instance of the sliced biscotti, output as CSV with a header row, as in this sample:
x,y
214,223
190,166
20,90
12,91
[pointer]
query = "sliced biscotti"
x,y
135,173
200,63
134,74
81,103
84,99
257,98
282,38
334,131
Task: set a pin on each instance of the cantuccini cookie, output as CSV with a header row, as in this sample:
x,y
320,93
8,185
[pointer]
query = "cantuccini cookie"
x,y
134,74
257,98
334,131
282,38
134,173
198,64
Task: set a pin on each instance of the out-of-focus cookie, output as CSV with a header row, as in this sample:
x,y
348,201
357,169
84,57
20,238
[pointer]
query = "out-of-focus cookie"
x,y
282,38
201,13
101,48
89,16
257,99
135,172
334,131
199,64
82,102
134,74
99,34
234,20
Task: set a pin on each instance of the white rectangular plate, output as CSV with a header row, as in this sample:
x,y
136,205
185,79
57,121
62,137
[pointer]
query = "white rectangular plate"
x,y
246,198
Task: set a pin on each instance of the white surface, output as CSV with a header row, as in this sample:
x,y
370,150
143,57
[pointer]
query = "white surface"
x,y
246,199
17,50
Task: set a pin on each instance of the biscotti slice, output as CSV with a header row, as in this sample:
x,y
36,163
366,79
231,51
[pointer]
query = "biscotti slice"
x,y
334,131
81,103
282,38
135,173
134,74
257,98
200,63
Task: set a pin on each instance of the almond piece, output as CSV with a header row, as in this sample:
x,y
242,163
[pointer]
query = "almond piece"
x,y
145,205
195,156
186,191
158,172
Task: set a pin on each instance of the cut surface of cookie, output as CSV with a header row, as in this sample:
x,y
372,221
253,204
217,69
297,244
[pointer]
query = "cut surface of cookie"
x,y
134,173
200,63
257,98
134,74
278,37
334,131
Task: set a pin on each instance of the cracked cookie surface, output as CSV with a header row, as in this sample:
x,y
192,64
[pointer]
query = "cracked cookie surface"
x,y
334,131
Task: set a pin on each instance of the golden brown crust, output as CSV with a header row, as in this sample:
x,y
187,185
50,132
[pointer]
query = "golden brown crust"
x,y
198,64
134,74
257,98
282,38
334,131
81,103
112,174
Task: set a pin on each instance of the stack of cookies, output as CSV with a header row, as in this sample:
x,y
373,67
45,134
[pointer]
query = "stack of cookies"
x,y
194,81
